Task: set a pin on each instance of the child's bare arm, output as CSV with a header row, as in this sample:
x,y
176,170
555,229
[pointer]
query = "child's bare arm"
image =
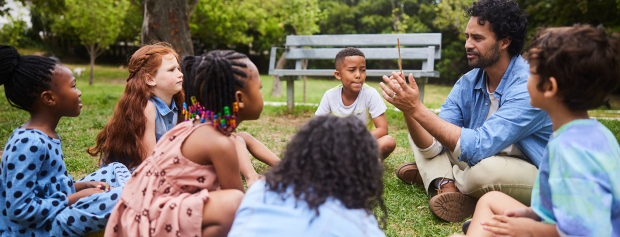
x,y
518,226
258,150
148,139
381,126
73,198
224,157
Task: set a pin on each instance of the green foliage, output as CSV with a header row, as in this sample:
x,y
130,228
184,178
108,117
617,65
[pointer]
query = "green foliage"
x,y
131,27
255,24
220,22
44,15
450,14
13,33
302,15
373,17
95,22
545,13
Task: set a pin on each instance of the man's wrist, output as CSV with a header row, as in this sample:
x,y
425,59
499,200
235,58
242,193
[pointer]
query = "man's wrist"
x,y
416,109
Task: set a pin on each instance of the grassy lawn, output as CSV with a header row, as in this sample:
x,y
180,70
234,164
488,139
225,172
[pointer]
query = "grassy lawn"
x,y
407,205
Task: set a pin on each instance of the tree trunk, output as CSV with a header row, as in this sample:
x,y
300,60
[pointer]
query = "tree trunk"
x,y
167,21
276,89
92,64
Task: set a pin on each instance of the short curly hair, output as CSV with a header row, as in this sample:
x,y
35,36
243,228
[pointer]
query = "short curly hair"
x,y
506,20
347,52
583,59
332,157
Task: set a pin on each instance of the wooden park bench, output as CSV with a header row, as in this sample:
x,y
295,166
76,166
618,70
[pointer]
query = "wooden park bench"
x,y
425,47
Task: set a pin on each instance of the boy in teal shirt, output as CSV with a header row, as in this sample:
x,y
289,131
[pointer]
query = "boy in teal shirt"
x,y
577,191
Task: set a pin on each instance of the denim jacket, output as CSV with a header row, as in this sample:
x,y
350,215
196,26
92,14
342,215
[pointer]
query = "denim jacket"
x,y
166,117
516,121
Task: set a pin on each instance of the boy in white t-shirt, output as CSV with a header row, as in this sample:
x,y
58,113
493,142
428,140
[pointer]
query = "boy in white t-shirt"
x,y
355,98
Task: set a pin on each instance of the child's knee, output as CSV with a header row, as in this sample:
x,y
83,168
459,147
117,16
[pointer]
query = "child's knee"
x,y
387,143
235,199
491,197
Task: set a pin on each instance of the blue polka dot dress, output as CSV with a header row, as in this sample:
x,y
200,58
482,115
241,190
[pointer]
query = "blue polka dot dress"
x,y
35,187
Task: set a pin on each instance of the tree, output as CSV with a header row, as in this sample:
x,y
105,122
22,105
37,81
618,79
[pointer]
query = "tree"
x,y
303,16
168,21
12,33
3,10
96,22
217,24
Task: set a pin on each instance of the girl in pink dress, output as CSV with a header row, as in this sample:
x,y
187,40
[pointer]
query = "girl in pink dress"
x,y
190,185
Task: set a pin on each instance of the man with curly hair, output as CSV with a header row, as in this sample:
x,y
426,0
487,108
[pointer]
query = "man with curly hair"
x,y
487,137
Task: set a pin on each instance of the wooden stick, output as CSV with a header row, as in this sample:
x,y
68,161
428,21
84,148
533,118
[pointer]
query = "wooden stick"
x,y
400,61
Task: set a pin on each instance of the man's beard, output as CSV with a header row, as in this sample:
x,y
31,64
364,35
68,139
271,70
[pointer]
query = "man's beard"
x,y
486,60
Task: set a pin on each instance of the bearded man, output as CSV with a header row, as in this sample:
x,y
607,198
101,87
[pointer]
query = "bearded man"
x,y
487,136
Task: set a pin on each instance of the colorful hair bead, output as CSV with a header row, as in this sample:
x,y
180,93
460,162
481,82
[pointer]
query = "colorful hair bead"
x,y
196,111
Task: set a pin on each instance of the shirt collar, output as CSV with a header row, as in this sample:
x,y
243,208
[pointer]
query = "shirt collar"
x,y
161,106
507,75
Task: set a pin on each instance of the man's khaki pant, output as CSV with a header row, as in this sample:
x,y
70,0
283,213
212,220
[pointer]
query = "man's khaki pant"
x,y
512,176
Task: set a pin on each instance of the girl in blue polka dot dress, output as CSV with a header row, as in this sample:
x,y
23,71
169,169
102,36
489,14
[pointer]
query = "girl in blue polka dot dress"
x,y
39,197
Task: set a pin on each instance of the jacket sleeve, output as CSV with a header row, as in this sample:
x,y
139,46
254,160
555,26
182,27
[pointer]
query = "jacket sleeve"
x,y
28,201
515,120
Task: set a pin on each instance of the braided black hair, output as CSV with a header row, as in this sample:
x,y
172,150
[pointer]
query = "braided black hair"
x,y
24,77
213,77
332,157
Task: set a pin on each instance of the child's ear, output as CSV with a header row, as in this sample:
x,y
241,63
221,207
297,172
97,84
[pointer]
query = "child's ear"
x,y
337,75
550,88
47,97
150,81
239,97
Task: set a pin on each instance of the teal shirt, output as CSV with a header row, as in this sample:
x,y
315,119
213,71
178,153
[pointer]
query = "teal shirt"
x,y
578,184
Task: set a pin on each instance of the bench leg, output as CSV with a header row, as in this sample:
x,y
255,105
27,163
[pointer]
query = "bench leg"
x,y
421,83
290,94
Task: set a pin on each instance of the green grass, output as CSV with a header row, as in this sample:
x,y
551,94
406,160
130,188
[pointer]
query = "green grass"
x,y
407,205
434,95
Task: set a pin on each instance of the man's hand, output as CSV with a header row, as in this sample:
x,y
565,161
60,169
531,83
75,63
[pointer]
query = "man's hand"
x,y
509,226
398,93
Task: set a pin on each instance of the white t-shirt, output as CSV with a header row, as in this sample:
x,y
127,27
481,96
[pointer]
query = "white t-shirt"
x,y
366,107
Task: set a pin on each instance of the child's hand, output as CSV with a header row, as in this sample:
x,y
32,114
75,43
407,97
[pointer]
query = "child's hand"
x,y
238,140
522,212
73,198
509,226
92,184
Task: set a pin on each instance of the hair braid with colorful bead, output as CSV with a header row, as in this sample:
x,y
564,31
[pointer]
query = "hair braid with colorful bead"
x,y
211,81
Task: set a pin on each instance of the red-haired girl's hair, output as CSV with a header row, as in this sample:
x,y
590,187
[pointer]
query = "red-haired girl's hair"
x,y
121,139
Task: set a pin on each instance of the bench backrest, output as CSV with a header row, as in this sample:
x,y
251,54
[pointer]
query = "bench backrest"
x,y
416,46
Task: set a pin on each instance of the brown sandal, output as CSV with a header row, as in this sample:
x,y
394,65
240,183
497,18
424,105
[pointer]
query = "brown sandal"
x,y
409,173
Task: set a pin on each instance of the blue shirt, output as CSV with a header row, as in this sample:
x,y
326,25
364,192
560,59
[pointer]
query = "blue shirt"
x,y
515,122
578,183
33,180
166,116
267,213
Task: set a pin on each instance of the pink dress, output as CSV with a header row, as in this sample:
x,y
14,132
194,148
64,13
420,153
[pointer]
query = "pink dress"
x,y
167,193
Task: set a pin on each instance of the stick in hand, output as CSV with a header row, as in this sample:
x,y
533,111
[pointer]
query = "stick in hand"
x,y
400,61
